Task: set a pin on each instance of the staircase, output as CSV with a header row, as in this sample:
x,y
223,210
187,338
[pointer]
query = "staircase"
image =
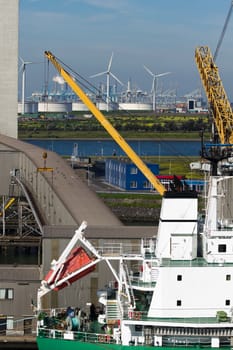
x,y
128,286
112,310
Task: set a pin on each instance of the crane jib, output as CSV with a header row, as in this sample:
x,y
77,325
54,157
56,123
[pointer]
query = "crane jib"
x,y
216,94
106,124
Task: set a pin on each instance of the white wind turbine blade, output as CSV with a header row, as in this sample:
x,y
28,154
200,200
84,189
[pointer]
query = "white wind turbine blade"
x,y
110,63
98,74
114,77
29,62
23,69
105,72
162,74
154,84
108,74
24,63
149,71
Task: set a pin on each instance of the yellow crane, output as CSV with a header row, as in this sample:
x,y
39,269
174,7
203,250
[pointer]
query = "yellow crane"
x,y
215,92
9,202
106,124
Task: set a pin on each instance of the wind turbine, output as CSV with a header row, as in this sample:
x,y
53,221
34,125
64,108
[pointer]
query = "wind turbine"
x,y
23,69
154,84
108,73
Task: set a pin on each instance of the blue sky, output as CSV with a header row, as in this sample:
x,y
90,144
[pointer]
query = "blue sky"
x,y
161,34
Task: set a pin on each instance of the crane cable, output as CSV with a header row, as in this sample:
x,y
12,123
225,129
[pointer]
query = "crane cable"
x,y
223,31
92,89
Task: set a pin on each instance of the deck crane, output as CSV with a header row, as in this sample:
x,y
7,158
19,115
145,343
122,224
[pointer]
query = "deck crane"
x,y
106,124
222,142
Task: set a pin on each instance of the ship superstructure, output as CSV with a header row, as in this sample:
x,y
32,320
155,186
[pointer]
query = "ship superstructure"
x,y
169,291
175,289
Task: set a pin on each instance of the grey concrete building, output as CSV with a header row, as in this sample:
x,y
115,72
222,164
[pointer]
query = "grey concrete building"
x,y
40,209
61,201
9,66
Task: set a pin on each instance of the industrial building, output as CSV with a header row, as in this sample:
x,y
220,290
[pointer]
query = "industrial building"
x,y
9,67
125,175
43,203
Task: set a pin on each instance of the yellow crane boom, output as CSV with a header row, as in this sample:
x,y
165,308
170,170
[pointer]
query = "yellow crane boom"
x,y
217,97
106,124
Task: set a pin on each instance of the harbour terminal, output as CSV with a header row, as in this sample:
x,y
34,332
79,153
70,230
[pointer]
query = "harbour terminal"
x,y
135,286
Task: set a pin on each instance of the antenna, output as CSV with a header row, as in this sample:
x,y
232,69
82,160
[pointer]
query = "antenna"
x,y
154,84
108,73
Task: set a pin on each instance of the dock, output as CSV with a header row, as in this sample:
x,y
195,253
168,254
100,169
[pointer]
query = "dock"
x,y
18,342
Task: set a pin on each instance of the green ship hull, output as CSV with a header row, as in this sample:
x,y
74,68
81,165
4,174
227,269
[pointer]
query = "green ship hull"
x,y
62,344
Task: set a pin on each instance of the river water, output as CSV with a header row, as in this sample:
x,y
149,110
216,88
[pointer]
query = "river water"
x,y
88,148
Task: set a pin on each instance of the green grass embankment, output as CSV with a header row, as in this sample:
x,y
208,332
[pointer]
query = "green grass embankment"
x,y
61,134
139,125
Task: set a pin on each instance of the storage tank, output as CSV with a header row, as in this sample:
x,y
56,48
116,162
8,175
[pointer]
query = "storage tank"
x,y
102,106
79,106
135,106
62,107
29,107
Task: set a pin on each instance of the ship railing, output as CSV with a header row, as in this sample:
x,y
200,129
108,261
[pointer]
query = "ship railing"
x,y
123,308
119,249
197,262
51,313
136,315
76,335
136,282
222,232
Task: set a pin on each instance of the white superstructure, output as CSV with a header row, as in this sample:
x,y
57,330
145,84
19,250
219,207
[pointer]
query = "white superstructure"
x,y
176,289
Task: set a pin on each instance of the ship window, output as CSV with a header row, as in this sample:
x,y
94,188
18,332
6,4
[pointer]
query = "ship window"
x,y
179,277
6,293
178,302
227,302
222,248
228,277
